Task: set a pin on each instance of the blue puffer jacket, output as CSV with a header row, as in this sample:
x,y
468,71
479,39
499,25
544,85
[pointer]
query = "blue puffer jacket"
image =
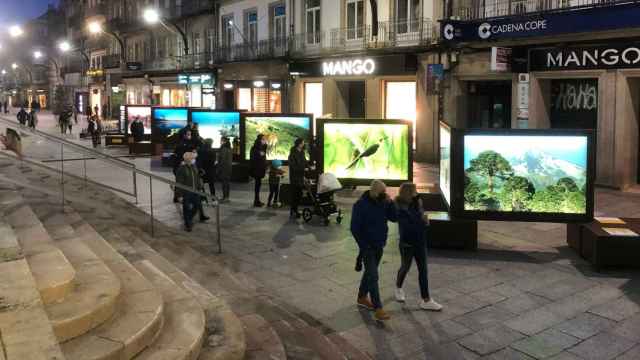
x,y
369,221
411,223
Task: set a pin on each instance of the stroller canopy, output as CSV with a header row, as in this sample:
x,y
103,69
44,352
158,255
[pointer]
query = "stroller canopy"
x,y
328,182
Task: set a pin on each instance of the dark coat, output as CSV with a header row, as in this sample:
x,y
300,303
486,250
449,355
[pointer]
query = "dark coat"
x,y
137,131
181,148
22,117
297,164
411,223
189,176
206,161
369,221
225,163
258,161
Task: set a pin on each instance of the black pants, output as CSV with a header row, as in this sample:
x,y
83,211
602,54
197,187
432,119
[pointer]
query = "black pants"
x,y
95,139
256,190
419,253
211,180
225,188
371,257
191,204
274,190
296,197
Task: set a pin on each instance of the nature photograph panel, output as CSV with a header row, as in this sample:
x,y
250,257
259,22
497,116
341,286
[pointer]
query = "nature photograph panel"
x,y
526,173
366,151
167,122
445,163
214,125
280,132
144,112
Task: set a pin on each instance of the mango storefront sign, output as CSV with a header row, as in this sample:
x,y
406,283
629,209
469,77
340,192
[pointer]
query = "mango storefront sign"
x,y
357,66
365,66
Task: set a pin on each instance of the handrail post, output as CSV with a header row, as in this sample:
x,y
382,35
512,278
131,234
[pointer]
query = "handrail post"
x,y
135,183
218,227
62,173
151,204
85,171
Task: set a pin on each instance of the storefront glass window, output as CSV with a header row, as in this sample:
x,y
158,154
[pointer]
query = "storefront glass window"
x,y
313,99
574,103
401,102
166,97
244,99
195,96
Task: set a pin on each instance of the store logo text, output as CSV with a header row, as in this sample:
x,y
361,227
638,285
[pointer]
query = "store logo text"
x,y
594,57
348,67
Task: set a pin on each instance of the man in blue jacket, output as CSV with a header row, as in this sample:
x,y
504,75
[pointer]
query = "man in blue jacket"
x,y
369,227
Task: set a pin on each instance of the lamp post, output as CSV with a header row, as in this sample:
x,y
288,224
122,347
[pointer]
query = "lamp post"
x,y
39,55
96,28
152,17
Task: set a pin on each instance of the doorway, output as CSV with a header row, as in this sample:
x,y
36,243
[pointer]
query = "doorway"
x,y
489,104
351,99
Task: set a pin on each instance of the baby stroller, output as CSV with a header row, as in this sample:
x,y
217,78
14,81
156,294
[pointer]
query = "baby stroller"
x,y
321,196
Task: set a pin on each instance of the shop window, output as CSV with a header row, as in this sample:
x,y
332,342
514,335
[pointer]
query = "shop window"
x,y
313,21
407,16
401,102
574,103
489,104
313,99
355,19
244,99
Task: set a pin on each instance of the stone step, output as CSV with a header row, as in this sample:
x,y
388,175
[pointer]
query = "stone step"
x,y
262,340
9,248
350,352
225,338
24,325
294,342
139,313
184,327
53,273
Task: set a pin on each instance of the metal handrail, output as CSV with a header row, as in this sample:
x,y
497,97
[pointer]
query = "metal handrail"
x,y
129,166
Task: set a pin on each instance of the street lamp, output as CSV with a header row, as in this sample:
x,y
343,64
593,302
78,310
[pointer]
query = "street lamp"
x,y
64,46
15,31
95,27
14,66
4,72
152,17
37,54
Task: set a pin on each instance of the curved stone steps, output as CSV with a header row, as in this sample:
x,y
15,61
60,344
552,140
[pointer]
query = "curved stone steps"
x,y
262,340
52,271
139,313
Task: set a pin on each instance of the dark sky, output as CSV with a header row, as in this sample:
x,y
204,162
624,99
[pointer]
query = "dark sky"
x,y
18,11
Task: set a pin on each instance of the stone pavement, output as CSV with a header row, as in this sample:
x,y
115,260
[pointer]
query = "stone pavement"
x,y
523,295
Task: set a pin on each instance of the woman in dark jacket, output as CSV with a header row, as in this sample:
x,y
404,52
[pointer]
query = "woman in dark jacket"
x,y
224,166
206,162
258,166
297,165
412,226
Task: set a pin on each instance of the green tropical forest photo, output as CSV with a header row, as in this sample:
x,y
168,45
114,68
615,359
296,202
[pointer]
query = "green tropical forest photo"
x,y
367,151
543,174
279,131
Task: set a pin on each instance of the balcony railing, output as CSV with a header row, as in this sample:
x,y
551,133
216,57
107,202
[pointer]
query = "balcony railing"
x,y
263,49
481,9
391,34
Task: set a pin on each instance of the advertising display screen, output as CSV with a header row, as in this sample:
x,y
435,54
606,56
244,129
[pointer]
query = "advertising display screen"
x,y
144,112
216,124
166,123
536,175
280,130
358,151
445,162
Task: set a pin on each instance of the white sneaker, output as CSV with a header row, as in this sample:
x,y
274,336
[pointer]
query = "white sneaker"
x,y
400,297
430,305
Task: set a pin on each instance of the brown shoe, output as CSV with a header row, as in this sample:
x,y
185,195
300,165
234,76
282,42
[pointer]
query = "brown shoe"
x,y
381,315
364,302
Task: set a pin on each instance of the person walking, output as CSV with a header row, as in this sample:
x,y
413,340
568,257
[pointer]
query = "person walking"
x,y
184,145
224,167
275,174
297,166
188,176
206,162
369,228
64,121
258,166
33,119
412,226
137,129
93,129
6,106
22,116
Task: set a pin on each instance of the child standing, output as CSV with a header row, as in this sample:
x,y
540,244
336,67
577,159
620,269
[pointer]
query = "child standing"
x,y
275,174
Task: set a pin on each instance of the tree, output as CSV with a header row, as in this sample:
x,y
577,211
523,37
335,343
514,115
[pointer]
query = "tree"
x,y
516,193
490,164
60,98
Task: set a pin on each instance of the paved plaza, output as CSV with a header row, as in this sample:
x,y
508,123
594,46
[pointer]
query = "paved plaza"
x,y
523,295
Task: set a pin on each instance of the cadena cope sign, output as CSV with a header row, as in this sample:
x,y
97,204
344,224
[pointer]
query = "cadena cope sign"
x,y
365,66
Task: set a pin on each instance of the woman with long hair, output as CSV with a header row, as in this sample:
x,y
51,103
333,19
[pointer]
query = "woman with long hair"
x,y
412,225
258,166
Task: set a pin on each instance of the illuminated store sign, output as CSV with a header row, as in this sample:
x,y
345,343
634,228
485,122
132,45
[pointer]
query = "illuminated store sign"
x,y
580,58
195,79
349,67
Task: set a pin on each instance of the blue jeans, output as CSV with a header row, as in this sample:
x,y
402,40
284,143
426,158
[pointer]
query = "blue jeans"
x,y
371,257
419,253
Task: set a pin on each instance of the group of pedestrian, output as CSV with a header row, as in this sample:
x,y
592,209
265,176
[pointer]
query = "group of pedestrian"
x,y
370,229
195,157
137,129
29,119
259,165
64,120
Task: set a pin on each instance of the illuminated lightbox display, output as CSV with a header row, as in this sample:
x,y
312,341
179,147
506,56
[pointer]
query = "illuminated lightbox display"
x,y
144,112
541,175
216,124
166,123
358,151
280,131
445,162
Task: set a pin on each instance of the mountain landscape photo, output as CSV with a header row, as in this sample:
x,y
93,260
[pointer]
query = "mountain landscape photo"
x,y
545,174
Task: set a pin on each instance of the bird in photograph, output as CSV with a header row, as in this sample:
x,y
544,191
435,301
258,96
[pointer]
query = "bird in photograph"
x,y
368,152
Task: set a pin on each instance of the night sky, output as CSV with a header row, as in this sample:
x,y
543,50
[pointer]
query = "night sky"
x,y
18,11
